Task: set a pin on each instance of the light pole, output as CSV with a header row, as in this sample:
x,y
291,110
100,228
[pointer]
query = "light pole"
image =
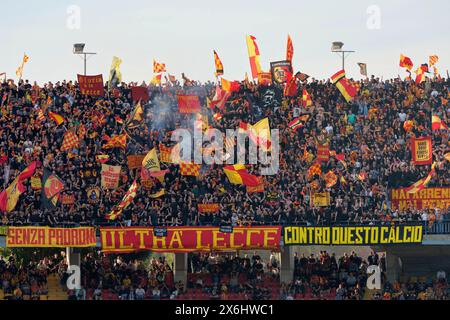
x,y
337,48
78,48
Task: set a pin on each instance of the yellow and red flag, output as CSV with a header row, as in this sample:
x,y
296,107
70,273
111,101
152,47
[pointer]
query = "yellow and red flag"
x,y
102,158
158,67
306,99
330,179
422,183
447,156
119,141
156,80
408,125
189,104
70,141
190,169
238,174
10,196
298,123
437,124
315,169
169,154
290,49
19,71
56,117
254,55
126,201
347,89
218,63
406,62
230,86
433,60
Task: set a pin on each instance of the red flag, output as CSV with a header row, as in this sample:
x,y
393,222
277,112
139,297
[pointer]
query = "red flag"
x,y
189,104
290,49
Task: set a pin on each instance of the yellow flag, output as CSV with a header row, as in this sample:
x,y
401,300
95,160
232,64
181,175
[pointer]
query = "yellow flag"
x,y
13,193
262,131
151,161
447,156
158,194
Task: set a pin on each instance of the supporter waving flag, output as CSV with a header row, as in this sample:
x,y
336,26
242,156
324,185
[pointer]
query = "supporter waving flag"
x,y
126,201
406,62
348,90
239,175
56,117
10,196
306,99
119,141
422,183
437,124
52,186
70,141
218,63
158,67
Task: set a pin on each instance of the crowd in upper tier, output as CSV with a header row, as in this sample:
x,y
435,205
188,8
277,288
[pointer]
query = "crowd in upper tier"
x,y
369,131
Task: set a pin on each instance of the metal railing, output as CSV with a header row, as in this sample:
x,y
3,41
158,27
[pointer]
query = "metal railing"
x,y
439,227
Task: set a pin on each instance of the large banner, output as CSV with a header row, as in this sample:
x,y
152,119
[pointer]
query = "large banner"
x,y
421,151
45,237
189,239
91,85
354,236
189,104
428,198
281,71
323,153
140,94
208,208
110,176
135,161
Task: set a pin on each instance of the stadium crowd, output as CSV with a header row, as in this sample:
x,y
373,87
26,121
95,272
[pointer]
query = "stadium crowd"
x,y
369,131
214,277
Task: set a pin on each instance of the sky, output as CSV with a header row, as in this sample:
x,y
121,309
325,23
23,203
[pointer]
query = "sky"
x,y
183,34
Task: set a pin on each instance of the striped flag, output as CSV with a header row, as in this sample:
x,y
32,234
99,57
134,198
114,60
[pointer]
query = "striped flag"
x,y
238,174
102,158
40,115
422,183
347,89
230,86
437,124
298,122
218,63
126,201
254,56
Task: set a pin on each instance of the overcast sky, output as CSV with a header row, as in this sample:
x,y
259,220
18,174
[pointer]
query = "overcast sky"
x,y
183,34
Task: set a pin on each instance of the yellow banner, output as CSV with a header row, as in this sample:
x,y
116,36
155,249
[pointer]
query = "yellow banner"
x,y
354,236
320,199
45,237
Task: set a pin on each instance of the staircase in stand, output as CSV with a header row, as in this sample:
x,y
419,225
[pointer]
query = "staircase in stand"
x,y
55,290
